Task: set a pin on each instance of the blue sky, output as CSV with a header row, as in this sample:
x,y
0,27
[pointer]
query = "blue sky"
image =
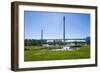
x,y
76,25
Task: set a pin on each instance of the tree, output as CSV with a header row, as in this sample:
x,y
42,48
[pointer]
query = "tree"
x,y
31,42
87,40
76,43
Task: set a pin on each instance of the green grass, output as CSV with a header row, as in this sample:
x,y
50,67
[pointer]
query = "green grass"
x,y
41,47
33,53
35,47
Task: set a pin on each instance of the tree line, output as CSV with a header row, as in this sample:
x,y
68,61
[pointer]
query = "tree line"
x,y
32,42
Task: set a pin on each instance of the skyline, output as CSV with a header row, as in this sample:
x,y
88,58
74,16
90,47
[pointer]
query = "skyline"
x,y
76,25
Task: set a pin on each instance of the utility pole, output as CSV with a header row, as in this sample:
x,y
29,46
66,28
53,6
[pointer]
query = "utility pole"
x,y
64,30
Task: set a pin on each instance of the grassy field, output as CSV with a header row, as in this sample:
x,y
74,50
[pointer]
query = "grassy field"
x,y
34,53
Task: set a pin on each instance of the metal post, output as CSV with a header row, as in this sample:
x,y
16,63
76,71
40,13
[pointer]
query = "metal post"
x,y
42,34
64,30
41,37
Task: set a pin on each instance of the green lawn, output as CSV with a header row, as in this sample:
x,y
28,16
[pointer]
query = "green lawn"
x,y
34,53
